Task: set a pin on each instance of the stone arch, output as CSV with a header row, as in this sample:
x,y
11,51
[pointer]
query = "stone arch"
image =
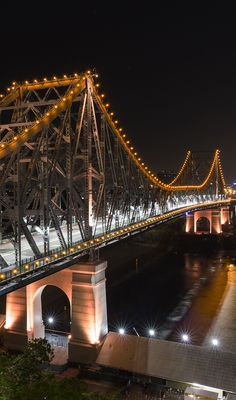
x,y
38,328
203,224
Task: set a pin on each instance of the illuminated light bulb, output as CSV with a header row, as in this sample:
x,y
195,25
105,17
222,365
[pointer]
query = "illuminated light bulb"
x,y
14,83
13,88
135,154
15,137
2,276
72,249
128,141
215,342
55,255
45,79
26,82
54,77
37,263
107,105
37,122
64,252
50,320
8,89
120,129
139,159
14,271
26,130
78,85
88,72
47,114
71,92
121,331
56,106
124,135
185,337
142,164
116,121
69,337
35,81
97,85
65,76
103,95
78,247
83,78
75,74
64,99
131,148
1,95
2,145
46,259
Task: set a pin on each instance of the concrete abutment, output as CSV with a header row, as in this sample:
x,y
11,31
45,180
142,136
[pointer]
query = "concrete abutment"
x,y
85,286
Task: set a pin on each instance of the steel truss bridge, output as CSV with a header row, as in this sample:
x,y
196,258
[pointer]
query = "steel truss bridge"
x,y
71,181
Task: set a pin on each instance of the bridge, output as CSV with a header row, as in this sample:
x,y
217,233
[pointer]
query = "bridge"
x,y
71,180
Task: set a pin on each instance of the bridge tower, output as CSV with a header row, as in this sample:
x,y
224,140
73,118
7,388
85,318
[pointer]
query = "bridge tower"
x,y
84,285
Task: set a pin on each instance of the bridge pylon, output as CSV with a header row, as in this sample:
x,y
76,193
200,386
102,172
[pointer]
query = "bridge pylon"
x,y
84,285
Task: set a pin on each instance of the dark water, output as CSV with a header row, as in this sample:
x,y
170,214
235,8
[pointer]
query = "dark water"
x,y
149,289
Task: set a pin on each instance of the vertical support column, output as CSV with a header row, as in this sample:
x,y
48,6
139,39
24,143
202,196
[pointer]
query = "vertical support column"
x,y
16,335
189,227
89,311
88,168
216,221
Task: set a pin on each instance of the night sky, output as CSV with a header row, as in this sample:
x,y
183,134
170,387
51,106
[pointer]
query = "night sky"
x,y
169,73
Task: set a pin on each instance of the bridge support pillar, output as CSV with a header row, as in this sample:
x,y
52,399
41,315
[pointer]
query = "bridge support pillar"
x,y
207,221
225,216
89,311
16,335
84,284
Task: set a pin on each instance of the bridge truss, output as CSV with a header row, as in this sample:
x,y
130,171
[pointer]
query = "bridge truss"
x,y
69,174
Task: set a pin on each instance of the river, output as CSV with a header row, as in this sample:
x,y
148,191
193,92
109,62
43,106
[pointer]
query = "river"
x,y
172,294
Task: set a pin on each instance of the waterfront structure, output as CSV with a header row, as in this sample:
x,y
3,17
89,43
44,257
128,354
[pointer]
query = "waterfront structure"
x,y
72,182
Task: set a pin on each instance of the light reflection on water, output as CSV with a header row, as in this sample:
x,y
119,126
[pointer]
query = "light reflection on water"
x,y
160,293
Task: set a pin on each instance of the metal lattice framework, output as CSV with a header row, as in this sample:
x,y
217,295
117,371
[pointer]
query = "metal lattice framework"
x,y
67,168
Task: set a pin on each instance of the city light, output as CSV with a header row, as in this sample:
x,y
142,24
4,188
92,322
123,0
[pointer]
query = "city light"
x,y
121,331
50,320
151,332
215,342
185,337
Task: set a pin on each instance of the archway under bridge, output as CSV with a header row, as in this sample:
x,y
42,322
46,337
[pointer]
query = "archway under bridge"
x,y
82,286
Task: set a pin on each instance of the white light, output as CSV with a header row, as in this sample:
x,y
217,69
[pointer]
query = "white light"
x,y
50,320
215,342
121,331
151,332
185,337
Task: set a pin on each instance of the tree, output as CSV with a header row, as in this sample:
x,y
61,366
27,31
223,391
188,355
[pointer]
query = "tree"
x,y
20,370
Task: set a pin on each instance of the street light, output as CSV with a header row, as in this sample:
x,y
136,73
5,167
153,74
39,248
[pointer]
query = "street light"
x,y
121,331
215,342
185,337
151,332
50,320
